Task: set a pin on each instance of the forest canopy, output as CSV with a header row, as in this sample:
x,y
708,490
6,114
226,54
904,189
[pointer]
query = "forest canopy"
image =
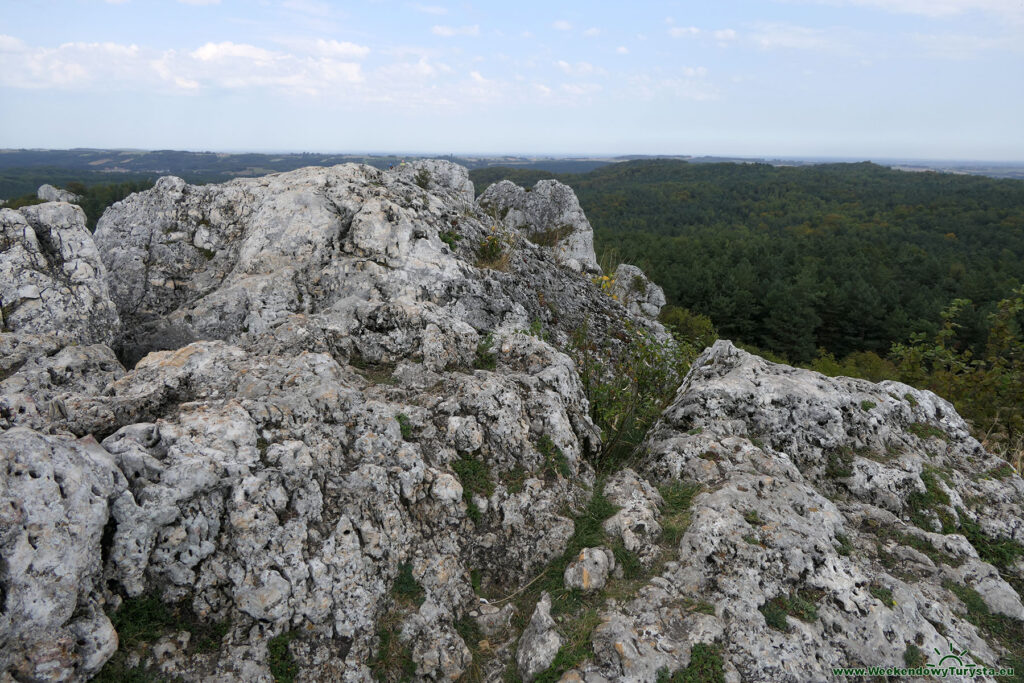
x,y
840,257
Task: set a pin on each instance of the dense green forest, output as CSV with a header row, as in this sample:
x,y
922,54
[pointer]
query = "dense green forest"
x,y
841,257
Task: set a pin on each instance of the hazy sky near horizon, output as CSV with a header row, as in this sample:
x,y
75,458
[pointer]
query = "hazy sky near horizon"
x,y
939,79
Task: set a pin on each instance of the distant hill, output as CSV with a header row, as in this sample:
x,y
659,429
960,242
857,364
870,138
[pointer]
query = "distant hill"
x,y
22,171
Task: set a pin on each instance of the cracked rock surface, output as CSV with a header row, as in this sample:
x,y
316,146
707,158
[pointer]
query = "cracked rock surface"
x,y
301,415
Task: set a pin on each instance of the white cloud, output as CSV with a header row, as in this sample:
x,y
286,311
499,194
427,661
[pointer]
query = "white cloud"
x,y
581,89
724,35
963,46
683,31
312,7
592,32
332,48
452,31
10,44
622,50
772,36
430,9
1010,9
229,50
577,69
562,25
198,2
116,2
690,83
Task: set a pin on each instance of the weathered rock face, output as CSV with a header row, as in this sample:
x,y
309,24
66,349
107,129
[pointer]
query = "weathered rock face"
x,y
813,539
54,497
357,250
332,431
279,473
548,214
637,293
49,193
51,277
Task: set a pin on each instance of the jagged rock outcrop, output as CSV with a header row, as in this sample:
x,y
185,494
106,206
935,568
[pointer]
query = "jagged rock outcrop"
x,y
817,537
49,193
637,293
539,643
342,395
51,277
303,413
548,214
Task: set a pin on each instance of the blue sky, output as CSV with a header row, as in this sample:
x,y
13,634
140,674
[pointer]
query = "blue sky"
x,y
937,79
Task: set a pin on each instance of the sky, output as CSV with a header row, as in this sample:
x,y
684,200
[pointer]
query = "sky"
x,y
864,79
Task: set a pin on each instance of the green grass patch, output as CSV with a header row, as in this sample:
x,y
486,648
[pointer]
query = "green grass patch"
x,y
706,666
515,479
405,425
451,238
406,589
885,533
575,649
628,561
549,238
913,658
675,515
146,619
923,430
883,594
282,665
911,400
475,478
845,546
393,662
867,405
1007,630
922,506
1001,553
555,462
839,464
799,604
1000,472
751,517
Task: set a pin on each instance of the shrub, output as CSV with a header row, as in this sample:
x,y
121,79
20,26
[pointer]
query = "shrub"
x,y
628,383
451,238
422,178
485,358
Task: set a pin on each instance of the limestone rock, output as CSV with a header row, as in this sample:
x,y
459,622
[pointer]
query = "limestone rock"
x,y
539,643
637,293
53,514
548,214
300,407
790,517
49,193
51,278
438,175
590,570
636,521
